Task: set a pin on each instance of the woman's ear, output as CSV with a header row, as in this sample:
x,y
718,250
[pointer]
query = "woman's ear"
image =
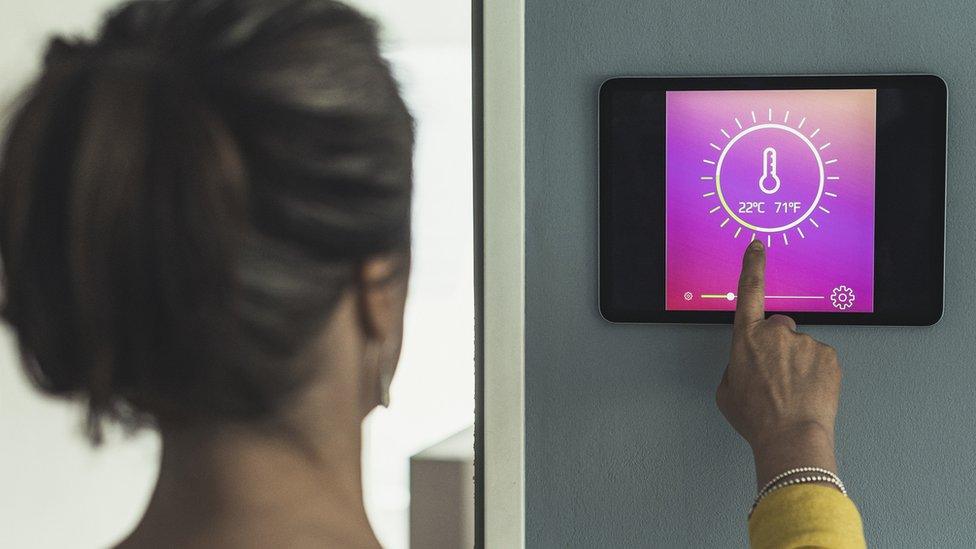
x,y
382,295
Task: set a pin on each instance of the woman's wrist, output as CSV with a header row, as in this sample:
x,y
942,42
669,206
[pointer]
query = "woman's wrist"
x,y
806,445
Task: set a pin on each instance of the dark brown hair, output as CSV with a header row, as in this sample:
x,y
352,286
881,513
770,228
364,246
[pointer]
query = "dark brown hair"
x,y
184,198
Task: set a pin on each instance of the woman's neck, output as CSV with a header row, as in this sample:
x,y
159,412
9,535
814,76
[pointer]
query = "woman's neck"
x,y
258,486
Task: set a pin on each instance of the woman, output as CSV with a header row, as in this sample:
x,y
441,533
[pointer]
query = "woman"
x,y
204,225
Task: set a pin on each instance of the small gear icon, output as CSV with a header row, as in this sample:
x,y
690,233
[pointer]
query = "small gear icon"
x,y
842,297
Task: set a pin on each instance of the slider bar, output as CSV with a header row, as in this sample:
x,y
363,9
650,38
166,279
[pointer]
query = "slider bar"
x,y
726,296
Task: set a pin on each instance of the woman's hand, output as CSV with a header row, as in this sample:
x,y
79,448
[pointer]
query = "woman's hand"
x,y
781,388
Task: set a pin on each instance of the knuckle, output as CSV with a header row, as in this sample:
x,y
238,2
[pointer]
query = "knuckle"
x,y
829,352
783,327
776,324
806,340
782,333
830,360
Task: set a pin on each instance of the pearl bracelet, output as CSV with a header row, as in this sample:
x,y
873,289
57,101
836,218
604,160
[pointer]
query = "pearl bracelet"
x,y
798,470
779,482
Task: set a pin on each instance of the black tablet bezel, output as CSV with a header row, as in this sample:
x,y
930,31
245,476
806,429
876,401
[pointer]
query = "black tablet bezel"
x,y
909,238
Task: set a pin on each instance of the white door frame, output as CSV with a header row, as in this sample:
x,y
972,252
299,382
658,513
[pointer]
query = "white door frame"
x,y
504,273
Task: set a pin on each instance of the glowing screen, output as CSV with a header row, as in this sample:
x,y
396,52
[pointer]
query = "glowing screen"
x,y
795,168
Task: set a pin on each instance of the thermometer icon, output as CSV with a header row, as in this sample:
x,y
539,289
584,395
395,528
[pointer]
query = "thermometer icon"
x,y
769,171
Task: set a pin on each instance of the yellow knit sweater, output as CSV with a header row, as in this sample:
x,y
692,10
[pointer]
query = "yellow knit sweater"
x,y
807,516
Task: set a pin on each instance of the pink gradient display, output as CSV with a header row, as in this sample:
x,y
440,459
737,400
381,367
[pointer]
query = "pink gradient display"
x,y
795,168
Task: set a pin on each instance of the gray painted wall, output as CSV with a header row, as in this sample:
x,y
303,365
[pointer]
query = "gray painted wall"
x,y
624,445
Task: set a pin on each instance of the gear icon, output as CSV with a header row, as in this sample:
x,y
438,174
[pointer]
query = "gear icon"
x,y
842,297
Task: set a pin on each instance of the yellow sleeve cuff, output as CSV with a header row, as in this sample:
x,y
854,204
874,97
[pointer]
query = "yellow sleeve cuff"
x,y
806,515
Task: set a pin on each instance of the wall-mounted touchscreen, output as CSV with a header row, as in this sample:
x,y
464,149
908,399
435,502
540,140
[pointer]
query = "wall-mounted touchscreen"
x,y
842,178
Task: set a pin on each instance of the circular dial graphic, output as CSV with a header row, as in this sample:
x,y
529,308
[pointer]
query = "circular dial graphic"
x,y
772,177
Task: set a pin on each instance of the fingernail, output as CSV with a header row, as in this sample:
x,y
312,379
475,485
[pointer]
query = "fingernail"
x,y
756,245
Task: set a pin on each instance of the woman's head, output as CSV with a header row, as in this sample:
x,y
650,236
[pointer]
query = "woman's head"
x,y
186,198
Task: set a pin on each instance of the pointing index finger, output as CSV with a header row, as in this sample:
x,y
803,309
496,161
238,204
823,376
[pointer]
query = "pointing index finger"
x,y
750,307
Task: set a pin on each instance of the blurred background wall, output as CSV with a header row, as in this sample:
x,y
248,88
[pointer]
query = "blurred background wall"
x,y
57,491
